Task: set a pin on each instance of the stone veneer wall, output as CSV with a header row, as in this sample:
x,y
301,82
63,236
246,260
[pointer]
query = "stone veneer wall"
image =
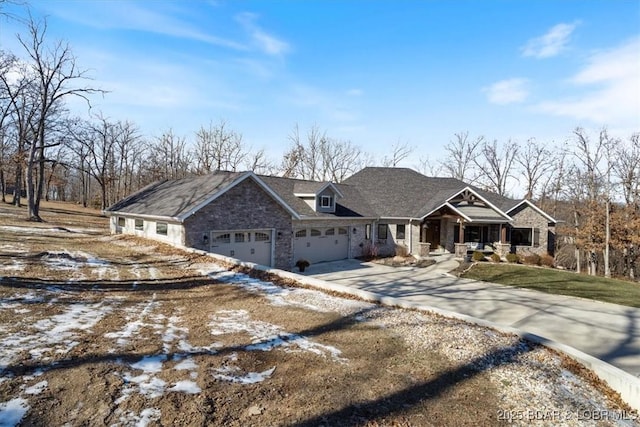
x,y
527,217
245,206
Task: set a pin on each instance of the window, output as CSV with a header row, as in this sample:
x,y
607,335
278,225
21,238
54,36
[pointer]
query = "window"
x,y
400,231
122,222
330,232
301,233
221,238
315,233
522,236
367,232
139,224
326,201
382,231
261,237
342,231
238,238
161,228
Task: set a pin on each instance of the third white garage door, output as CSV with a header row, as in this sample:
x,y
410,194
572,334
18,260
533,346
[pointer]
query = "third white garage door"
x,y
321,244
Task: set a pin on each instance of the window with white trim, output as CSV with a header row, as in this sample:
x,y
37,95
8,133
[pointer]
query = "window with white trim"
x,y
122,222
139,225
326,202
162,228
400,231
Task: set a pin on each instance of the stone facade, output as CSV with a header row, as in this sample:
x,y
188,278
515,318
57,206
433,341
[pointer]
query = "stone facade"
x,y
245,206
526,217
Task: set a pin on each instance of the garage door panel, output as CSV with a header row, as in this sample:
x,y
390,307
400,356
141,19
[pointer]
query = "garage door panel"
x,y
318,245
246,245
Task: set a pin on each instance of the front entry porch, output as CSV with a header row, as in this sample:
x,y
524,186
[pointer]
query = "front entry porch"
x,y
453,235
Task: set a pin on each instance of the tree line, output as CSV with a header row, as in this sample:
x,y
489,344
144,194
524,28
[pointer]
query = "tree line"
x,y
590,181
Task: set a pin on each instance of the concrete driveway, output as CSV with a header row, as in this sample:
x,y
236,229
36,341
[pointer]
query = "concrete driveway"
x,y
608,332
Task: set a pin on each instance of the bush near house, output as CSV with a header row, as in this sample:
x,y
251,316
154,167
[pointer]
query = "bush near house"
x,y
547,260
532,259
495,257
513,258
478,256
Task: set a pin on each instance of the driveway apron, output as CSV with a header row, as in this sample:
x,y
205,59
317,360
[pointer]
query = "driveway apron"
x,y
606,331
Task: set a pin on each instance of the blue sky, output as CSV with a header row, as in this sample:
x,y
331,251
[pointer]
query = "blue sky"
x,y
372,72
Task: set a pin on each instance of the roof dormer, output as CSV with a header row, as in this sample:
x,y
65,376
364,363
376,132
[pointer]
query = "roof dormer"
x,y
320,196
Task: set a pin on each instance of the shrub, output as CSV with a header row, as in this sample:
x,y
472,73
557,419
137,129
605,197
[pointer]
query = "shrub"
x,y
477,256
302,264
532,259
547,260
402,250
495,257
370,251
513,258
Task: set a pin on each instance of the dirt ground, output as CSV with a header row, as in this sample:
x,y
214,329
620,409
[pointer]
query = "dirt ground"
x,y
112,330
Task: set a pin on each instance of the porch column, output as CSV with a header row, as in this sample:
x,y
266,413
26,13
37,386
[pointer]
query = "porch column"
x,y
461,232
503,234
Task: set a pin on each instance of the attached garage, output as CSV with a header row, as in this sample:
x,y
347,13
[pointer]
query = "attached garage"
x,y
321,244
246,245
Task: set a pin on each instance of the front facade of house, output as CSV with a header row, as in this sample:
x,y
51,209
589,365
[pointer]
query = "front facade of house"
x,y
276,221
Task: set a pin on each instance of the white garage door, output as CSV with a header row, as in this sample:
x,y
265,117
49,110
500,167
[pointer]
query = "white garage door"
x,y
245,245
321,244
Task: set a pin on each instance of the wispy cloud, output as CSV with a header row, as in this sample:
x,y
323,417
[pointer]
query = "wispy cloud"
x,y
610,84
550,44
508,91
137,17
267,43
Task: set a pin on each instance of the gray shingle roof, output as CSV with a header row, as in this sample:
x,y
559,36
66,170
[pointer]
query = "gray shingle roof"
x,y
402,192
372,192
174,198
351,205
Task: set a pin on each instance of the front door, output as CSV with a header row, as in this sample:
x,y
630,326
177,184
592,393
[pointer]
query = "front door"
x,y
432,233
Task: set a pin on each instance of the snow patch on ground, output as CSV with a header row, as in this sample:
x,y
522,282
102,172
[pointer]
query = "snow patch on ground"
x,y
11,412
279,296
228,373
145,417
267,336
186,386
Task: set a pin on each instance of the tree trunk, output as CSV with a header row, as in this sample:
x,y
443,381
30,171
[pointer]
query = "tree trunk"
x,y
607,238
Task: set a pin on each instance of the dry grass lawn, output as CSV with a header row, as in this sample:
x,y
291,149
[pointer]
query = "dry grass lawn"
x,y
111,330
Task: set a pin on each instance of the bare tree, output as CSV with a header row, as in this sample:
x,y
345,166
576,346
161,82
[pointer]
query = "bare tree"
x,y
56,76
320,158
427,167
399,152
461,156
536,162
496,163
169,157
218,148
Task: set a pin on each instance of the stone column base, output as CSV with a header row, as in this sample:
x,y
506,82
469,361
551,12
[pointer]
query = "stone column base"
x,y
425,248
461,250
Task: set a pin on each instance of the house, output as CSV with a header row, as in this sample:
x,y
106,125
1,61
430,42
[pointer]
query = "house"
x,y
276,221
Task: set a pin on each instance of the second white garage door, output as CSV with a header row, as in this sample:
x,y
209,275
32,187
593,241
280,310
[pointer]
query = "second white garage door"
x,y
321,244
245,245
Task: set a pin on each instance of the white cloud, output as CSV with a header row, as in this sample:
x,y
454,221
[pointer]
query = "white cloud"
x,y
508,91
266,42
551,43
609,85
131,16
